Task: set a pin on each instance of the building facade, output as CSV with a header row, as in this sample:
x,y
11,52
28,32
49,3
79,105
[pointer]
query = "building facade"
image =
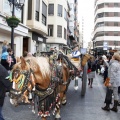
x,y
37,21
106,25
73,21
30,35
57,24
5,31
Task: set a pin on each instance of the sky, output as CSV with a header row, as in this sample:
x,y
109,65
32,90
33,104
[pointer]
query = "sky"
x,y
86,11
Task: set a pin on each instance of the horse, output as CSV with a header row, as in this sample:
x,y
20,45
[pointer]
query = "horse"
x,y
32,77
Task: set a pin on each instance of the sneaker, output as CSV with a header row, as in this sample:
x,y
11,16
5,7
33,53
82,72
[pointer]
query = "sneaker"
x,y
76,87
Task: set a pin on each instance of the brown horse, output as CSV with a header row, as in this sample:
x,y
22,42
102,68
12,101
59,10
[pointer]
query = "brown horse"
x,y
33,75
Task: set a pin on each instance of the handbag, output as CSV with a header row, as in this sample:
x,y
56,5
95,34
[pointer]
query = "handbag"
x,y
89,70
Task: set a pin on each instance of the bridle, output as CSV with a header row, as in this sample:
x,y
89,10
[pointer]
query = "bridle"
x,y
23,81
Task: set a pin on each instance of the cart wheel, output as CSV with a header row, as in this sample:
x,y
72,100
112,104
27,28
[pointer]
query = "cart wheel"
x,y
84,80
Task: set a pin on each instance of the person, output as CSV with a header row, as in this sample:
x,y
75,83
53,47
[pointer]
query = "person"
x,y
13,59
4,59
29,54
114,81
5,85
91,71
119,96
76,52
106,60
25,54
4,46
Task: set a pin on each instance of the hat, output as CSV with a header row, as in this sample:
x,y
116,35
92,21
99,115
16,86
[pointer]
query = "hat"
x,y
75,46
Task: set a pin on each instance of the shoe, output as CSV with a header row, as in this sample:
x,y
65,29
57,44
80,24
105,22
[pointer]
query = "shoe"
x,y
115,109
106,108
118,103
90,86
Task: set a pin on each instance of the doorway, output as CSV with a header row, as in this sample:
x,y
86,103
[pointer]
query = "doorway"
x,y
25,44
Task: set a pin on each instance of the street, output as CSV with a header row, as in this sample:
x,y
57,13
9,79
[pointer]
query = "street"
x,y
77,107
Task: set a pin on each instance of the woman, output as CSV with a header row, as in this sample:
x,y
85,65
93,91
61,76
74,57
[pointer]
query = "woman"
x,y
91,71
114,83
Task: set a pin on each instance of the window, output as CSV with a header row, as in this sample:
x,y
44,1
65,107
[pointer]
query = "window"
x,y
115,23
29,9
106,23
116,5
59,31
116,14
50,30
64,33
44,13
37,10
106,14
65,14
106,4
116,43
51,9
60,10
115,33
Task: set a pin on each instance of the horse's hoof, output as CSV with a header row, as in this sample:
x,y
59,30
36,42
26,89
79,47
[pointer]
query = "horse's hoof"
x,y
57,118
64,103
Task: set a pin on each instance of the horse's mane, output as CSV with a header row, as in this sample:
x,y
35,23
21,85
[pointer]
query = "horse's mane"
x,y
43,64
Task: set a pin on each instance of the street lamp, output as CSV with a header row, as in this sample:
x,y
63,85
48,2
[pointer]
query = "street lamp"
x,y
18,4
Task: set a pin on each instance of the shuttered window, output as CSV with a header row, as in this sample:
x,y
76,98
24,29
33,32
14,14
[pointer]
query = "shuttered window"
x,y
29,9
37,10
59,31
44,13
60,10
51,9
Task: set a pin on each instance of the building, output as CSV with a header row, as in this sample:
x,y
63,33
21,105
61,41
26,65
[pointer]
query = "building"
x,y
73,22
106,25
37,20
5,31
30,35
57,24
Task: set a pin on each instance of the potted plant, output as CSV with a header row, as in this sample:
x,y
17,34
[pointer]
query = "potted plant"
x,y
12,21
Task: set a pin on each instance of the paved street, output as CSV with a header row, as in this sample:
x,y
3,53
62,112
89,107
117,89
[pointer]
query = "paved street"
x,y
77,108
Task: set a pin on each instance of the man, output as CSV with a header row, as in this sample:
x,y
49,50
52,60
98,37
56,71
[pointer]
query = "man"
x,y
5,85
76,62
76,52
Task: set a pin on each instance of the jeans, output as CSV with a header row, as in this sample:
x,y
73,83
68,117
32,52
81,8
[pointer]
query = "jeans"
x,y
1,117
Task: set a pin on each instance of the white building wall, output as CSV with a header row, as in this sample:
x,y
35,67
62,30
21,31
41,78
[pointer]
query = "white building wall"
x,y
56,20
107,19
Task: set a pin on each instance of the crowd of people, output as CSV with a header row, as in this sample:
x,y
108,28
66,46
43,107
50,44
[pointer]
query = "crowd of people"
x,y
109,67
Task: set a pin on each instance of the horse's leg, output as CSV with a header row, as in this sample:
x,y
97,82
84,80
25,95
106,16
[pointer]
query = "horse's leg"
x,y
64,101
57,116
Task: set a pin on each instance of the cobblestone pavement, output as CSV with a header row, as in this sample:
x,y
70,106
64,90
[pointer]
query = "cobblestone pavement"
x,y
77,107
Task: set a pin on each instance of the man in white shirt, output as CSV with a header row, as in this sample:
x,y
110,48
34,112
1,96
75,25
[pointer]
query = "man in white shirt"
x,y
76,52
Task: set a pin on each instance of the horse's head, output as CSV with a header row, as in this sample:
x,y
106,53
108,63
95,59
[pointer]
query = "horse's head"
x,y
22,83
